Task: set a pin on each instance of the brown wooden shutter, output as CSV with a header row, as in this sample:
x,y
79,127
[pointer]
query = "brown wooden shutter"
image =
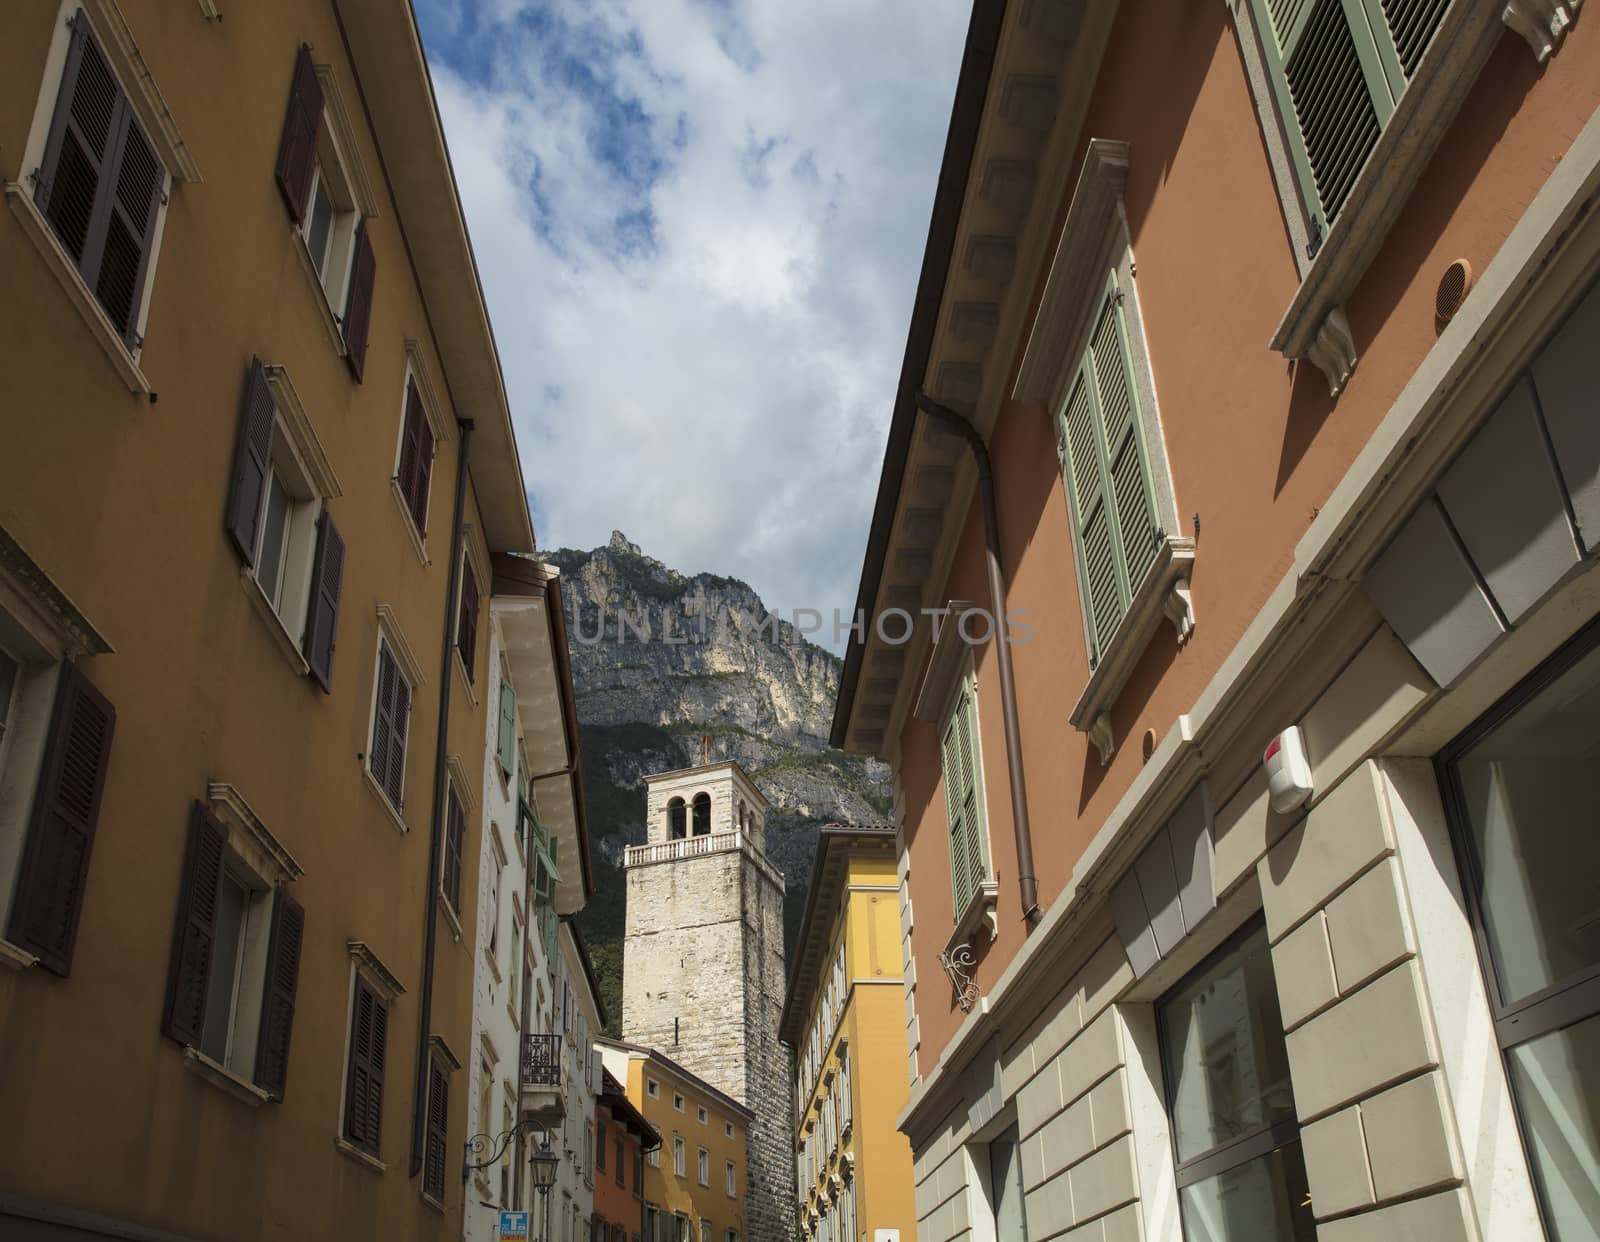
x,y
438,1131
358,304
297,150
467,624
79,141
455,832
130,228
383,718
416,458
196,927
327,579
369,1023
66,805
277,1003
399,724
252,463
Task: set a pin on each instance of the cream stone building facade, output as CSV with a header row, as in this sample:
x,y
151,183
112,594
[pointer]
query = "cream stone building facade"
x,y
703,978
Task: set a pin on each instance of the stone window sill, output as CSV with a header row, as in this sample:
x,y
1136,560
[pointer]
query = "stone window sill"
x,y
1163,593
330,321
223,1078
433,1203
406,520
395,817
364,1158
450,916
78,293
15,957
466,677
1314,326
284,640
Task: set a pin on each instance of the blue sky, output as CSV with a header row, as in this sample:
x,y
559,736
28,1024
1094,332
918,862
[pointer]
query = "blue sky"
x,y
699,224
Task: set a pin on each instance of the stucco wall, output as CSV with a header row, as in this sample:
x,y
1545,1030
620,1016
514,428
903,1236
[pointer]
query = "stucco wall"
x,y
1255,445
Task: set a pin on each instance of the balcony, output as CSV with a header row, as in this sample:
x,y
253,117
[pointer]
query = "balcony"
x,y
683,847
542,1100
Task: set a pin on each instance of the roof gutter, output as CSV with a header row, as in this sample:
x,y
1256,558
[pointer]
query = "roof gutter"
x,y
966,115
1027,885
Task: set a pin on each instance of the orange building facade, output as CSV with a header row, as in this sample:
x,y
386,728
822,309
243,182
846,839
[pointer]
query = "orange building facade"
x,y
622,1141
1250,374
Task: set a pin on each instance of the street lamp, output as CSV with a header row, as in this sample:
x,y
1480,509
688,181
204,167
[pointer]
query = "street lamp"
x,y
544,1163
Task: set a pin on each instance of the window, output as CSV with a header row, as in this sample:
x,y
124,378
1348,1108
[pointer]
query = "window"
x,y
235,957
56,730
963,796
705,1230
494,912
617,1163
731,1178
677,1155
727,1129
638,1170
369,1034
652,1088
1518,786
1105,466
703,1169
1235,1134
588,1146
600,1147
677,829
700,1115
506,747
1337,71
702,814
100,185
391,722
677,1101
454,838
319,178
436,1148
655,1157
413,476
467,617
279,523
1005,1187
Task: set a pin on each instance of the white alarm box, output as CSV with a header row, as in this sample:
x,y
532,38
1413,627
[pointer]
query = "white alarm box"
x,y
1288,771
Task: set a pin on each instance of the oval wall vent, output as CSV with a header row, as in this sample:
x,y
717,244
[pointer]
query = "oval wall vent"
x,y
1453,288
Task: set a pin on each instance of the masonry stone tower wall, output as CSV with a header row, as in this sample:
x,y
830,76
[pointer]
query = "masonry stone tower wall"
x,y
703,969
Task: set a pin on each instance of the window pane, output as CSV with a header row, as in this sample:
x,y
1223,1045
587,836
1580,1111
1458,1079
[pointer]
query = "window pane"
x,y
1527,790
274,537
1263,1200
320,225
1222,1044
1556,1079
1005,1184
231,904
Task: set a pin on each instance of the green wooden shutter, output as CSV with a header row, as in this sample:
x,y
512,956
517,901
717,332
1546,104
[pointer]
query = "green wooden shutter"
x,y
1119,416
964,800
1338,67
508,727
1080,456
1104,462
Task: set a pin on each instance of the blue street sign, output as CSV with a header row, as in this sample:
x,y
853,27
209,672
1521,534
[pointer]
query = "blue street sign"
x,y
513,1227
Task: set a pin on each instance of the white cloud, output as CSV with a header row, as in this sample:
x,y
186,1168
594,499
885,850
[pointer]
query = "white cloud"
x,y
699,224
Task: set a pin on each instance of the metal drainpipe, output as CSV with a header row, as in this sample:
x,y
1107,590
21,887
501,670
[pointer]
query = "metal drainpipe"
x,y
1027,885
524,1017
419,1105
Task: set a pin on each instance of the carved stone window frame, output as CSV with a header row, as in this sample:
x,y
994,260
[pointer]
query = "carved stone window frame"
x,y
1314,326
1095,242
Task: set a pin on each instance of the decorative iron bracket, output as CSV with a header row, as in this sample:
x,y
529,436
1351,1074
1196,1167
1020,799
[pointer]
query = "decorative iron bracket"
x,y
480,1143
959,963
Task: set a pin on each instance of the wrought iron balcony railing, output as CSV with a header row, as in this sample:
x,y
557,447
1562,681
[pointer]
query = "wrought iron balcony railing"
x,y
541,1060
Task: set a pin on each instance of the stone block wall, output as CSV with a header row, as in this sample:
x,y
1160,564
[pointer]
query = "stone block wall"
x,y
769,1162
1378,1128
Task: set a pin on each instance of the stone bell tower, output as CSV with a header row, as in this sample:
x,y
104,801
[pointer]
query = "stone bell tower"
x,y
703,973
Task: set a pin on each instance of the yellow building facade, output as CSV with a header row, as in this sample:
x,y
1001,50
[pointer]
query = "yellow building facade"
x,y
843,1019
258,461
694,1182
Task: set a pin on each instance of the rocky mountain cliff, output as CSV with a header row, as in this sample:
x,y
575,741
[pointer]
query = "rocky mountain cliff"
x,y
662,661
